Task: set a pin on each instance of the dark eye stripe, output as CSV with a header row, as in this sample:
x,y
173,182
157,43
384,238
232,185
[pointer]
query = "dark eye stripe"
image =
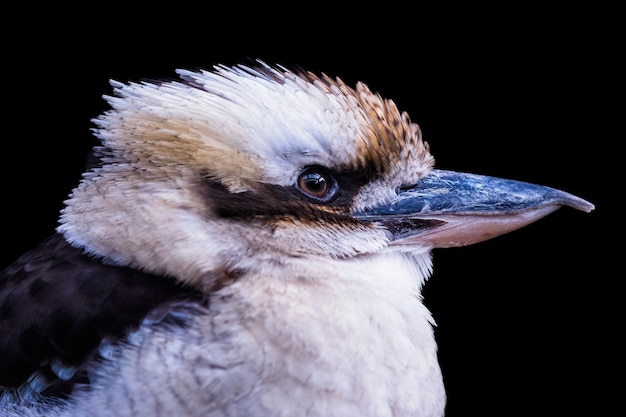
x,y
275,200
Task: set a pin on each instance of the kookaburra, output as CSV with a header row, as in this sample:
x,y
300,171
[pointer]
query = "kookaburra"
x,y
253,241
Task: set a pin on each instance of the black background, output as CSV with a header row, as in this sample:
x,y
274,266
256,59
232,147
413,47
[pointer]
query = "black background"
x,y
522,94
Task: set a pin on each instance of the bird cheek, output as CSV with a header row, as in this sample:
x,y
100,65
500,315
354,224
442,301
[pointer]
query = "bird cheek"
x,y
341,239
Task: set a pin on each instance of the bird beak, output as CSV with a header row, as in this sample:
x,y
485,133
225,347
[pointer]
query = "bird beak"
x,y
449,209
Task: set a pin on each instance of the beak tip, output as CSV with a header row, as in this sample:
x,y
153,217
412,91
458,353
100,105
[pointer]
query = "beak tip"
x,y
588,207
575,202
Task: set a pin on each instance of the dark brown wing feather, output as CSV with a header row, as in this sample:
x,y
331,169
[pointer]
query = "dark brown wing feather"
x,y
57,304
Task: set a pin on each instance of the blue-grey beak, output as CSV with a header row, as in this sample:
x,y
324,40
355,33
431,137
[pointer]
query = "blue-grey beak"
x,y
448,208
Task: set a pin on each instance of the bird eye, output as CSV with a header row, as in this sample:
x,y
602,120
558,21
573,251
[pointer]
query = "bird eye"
x,y
317,183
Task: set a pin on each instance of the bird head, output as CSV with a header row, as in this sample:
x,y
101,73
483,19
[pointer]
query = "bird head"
x,y
199,173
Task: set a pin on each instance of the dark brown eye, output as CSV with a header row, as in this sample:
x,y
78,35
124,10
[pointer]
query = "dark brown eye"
x,y
317,183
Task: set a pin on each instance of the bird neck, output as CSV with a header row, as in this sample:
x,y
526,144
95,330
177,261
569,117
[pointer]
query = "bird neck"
x,y
359,331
